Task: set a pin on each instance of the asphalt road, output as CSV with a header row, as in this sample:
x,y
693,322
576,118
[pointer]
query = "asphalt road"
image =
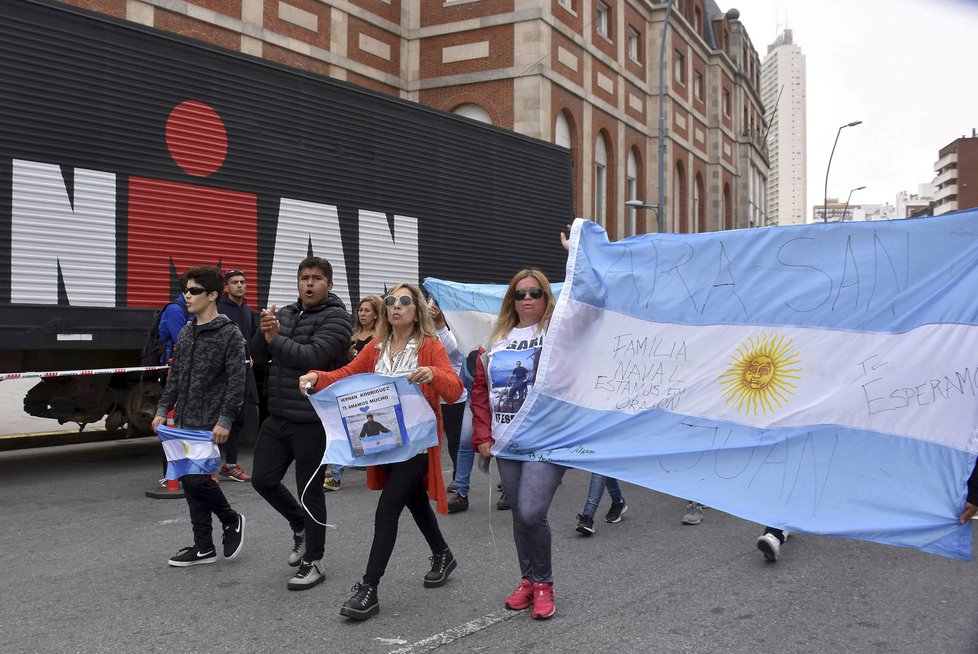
x,y
83,557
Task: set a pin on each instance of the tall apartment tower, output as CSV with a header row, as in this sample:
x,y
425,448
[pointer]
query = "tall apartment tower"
x,y
783,95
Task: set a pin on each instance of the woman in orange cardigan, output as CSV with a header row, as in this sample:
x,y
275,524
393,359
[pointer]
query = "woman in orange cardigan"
x,y
406,345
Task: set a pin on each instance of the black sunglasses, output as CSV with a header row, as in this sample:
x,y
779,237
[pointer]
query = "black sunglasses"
x,y
194,290
391,300
535,293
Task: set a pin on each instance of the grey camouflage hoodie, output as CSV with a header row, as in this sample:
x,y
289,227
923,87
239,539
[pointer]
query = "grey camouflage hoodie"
x,y
207,375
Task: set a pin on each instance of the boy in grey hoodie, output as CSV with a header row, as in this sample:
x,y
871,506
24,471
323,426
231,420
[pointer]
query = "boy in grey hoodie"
x,y
206,384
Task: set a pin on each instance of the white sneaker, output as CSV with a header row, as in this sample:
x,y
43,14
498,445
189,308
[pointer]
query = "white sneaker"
x,y
770,546
308,575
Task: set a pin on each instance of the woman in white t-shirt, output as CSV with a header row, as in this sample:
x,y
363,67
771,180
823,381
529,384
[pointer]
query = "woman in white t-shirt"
x,y
504,376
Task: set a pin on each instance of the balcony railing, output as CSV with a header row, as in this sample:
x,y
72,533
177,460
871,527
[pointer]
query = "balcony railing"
x,y
949,158
948,175
948,191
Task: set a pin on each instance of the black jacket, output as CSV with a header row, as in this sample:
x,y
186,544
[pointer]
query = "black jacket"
x,y
310,339
244,318
207,376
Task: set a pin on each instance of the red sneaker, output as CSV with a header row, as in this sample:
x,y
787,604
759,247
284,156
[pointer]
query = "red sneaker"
x,y
543,601
522,597
235,473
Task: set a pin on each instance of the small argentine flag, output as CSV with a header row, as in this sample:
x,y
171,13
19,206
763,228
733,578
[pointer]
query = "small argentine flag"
x,y
188,451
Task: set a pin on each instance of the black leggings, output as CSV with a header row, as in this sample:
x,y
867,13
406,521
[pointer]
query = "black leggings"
x,y
451,418
404,489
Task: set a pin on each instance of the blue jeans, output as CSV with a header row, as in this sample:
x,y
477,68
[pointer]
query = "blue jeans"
x,y
596,490
466,455
336,472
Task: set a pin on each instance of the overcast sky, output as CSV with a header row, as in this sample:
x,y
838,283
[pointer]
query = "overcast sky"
x,y
903,67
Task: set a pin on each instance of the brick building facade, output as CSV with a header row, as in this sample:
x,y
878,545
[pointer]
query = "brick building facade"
x,y
580,73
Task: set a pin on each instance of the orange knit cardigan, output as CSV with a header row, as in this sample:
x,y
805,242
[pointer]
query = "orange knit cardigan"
x,y
445,384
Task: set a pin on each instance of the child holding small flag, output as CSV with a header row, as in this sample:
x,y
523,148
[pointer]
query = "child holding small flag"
x,y
206,385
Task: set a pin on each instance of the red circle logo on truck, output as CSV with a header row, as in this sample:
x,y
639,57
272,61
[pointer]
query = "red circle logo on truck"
x,y
197,138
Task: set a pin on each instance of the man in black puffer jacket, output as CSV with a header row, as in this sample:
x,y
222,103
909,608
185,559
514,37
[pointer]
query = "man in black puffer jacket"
x,y
312,334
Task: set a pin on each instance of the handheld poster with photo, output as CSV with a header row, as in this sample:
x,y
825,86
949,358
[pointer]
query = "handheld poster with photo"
x,y
373,419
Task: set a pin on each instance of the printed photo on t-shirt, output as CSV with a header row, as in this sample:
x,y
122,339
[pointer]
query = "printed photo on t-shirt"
x,y
512,373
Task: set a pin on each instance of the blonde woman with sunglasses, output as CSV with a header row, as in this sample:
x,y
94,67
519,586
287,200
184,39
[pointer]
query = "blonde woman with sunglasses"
x,y
504,376
405,345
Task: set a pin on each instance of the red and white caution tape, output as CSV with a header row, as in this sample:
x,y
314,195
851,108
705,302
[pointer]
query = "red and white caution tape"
x,y
76,373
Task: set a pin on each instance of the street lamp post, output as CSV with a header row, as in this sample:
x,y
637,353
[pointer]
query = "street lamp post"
x,y
638,204
825,196
662,121
851,191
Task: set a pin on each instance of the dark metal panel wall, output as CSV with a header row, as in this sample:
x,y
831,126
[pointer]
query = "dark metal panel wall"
x,y
88,92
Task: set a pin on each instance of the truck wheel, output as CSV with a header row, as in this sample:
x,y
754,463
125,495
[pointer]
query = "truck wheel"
x,y
141,407
115,421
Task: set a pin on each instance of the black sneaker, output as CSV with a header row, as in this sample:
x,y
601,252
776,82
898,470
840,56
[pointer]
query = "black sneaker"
x,y
189,556
307,576
441,566
585,524
298,540
458,503
363,604
233,538
503,503
615,512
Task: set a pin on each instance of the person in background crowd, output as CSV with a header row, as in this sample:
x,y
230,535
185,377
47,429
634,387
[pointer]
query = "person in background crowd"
x,y
452,413
175,315
369,311
234,305
466,454
585,519
313,332
518,336
406,346
206,388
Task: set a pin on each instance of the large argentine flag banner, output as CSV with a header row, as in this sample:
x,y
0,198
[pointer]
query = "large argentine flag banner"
x,y
819,378
188,451
406,425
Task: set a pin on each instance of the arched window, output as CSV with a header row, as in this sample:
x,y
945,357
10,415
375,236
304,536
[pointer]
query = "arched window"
x,y
473,111
631,191
679,210
565,134
600,181
562,131
699,204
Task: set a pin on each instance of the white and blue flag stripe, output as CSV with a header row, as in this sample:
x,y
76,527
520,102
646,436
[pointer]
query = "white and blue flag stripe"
x,y
819,378
188,451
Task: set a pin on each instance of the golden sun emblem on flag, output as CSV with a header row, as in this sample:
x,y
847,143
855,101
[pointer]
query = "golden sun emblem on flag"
x,y
186,449
759,377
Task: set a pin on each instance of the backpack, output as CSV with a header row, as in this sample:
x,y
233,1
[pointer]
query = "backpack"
x,y
154,346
